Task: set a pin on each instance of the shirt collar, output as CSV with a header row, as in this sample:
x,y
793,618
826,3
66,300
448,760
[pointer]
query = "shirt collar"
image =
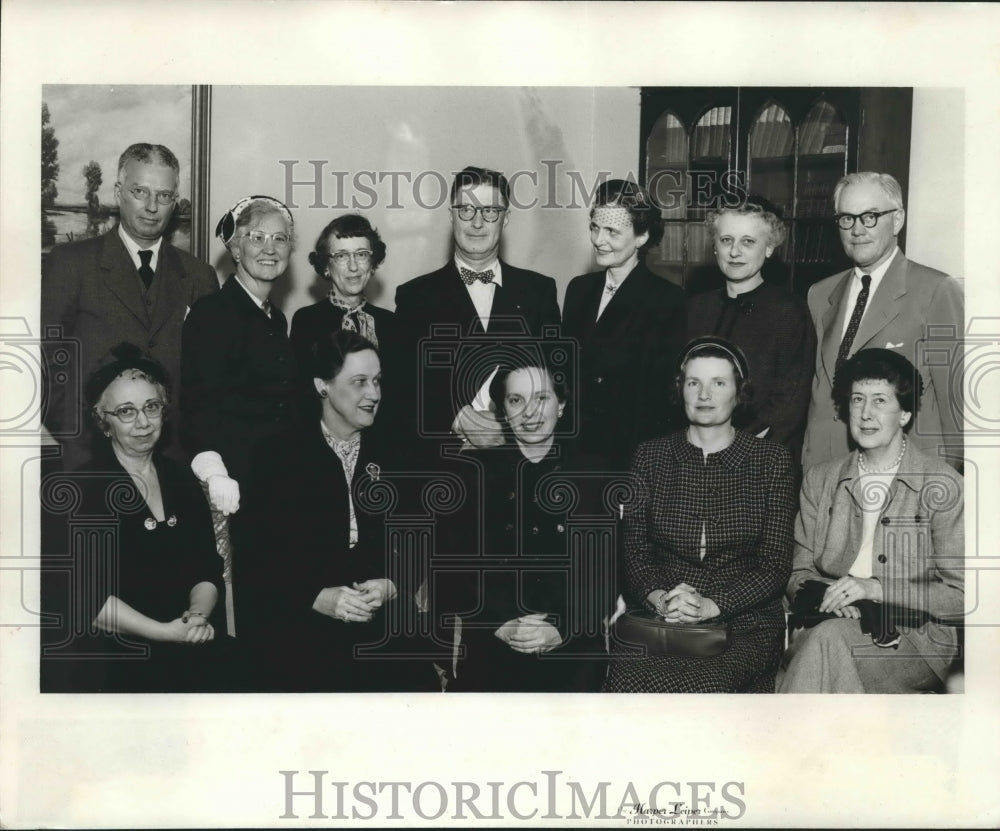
x,y
133,248
876,273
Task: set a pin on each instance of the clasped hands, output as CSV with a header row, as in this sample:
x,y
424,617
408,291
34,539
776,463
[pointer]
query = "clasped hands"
x,y
529,634
847,590
190,628
682,604
477,428
355,603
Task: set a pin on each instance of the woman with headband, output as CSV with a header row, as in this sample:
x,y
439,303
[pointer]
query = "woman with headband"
x,y
708,540
237,366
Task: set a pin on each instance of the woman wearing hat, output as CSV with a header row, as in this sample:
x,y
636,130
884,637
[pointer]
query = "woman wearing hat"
x,y
237,365
137,602
708,535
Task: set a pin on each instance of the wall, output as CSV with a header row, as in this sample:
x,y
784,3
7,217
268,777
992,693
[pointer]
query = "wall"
x,y
936,203
356,133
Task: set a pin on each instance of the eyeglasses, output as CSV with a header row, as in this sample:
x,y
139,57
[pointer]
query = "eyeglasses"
x,y
259,238
362,258
466,212
869,219
126,413
142,194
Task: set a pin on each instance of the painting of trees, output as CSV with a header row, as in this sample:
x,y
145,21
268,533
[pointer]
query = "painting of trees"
x,y
50,160
93,177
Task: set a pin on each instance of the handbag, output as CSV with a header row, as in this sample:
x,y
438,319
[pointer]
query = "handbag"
x,y
663,638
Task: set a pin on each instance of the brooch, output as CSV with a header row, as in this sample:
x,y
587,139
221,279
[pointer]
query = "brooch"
x,y
151,523
373,470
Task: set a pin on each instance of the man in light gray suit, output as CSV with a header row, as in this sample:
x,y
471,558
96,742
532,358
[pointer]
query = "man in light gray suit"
x,y
890,302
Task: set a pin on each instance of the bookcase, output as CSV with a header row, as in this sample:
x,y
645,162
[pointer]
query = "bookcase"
x,y
702,147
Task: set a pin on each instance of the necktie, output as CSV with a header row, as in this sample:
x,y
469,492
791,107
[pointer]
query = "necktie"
x,y
856,315
266,307
144,270
469,276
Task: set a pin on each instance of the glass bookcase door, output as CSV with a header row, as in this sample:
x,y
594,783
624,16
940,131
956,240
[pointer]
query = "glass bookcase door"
x,y
771,156
667,179
823,137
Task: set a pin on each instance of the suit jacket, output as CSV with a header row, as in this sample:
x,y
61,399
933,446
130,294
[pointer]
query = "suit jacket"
x,y
910,300
919,547
239,377
438,305
627,360
297,501
92,290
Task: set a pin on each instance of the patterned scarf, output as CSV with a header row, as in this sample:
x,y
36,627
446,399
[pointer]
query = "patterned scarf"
x,y
356,319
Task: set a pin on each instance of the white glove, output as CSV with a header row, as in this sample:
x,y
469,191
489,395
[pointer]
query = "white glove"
x,y
223,492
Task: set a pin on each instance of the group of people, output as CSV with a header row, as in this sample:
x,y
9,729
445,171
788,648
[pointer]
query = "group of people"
x,y
264,513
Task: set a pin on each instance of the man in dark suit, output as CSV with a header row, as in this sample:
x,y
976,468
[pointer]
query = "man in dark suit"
x,y
889,302
629,324
453,320
128,285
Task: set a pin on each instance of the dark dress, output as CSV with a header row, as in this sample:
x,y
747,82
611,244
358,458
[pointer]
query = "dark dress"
x,y
239,377
297,501
743,498
774,330
108,543
506,554
627,355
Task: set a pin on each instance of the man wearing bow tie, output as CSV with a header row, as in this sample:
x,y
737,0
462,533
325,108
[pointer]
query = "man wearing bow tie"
x,y
472,305
889,302
127,285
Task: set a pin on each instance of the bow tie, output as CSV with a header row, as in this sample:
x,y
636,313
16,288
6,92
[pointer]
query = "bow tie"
x,y
611,288
469,276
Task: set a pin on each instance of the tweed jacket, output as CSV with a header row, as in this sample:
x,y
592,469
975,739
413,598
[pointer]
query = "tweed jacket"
x,y
628,355
91,289
742,498
919,547
916,311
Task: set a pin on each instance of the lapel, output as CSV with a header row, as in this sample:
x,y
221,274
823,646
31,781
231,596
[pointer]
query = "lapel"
x,y
590,300
508,298
884,305
456,304
167,290
833,324
625,303
120,276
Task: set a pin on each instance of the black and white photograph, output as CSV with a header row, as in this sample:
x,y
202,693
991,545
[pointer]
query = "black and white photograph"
x,y
370,354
